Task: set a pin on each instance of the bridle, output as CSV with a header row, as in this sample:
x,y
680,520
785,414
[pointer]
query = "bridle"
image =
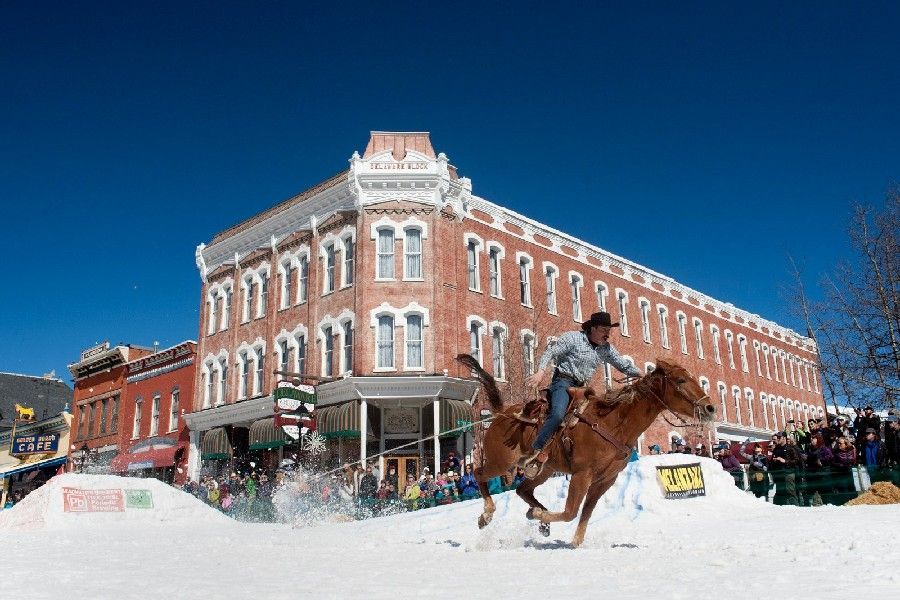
x,y
645,387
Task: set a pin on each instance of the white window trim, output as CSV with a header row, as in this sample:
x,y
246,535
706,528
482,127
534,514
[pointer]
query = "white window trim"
x,y
729,340
722,391
344,370
644,306
483,329
681,320
742,349
601,291
345,237
554,280
623,311
529,266
206,370
576,278
756,349
339,240
479,248
748,396
529,334
649,367
704,384
662,312
501,254
764,401
736,396
423,231
765,350
504,337
698,335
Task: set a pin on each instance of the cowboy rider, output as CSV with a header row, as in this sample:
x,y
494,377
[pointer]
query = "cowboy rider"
x,y
576,356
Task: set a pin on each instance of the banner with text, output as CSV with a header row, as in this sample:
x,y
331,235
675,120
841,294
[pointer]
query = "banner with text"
x,y
681,481
76,500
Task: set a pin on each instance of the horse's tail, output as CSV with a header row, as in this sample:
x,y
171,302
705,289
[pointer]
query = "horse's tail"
x,y
486,379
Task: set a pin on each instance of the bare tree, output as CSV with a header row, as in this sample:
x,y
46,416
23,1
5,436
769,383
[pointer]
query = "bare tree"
x,y
857,325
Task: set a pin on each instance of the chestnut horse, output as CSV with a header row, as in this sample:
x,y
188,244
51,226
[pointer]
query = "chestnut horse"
x,y
601,440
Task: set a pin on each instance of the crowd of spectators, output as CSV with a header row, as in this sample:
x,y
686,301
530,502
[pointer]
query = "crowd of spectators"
x,y
819,462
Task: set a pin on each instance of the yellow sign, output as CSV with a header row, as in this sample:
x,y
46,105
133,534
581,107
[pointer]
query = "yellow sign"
x,y
681,481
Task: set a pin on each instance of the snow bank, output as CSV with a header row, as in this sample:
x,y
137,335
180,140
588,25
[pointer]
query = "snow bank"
x,y
140,501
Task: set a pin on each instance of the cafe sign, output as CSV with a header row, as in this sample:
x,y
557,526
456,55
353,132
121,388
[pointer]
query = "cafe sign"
x,y
38,443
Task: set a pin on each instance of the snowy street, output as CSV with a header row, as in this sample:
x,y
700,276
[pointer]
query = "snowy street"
x,y
639,545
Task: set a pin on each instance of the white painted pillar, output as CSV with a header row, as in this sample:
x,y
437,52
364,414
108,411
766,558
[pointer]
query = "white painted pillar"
x,y
193,462
437,437
363,429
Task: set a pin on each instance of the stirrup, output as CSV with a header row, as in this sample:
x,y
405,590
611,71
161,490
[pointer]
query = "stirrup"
x,y
535,464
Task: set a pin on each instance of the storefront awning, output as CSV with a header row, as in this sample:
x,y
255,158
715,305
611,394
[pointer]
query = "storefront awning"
x,y
341,421
215,444
24,468
453,414
264,435
152,453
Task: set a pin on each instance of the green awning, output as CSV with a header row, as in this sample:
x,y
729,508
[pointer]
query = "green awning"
x,y
264,435
215,445
452,412
341,421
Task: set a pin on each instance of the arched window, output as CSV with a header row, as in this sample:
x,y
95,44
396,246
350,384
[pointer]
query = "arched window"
x,y
244,364
723,393
412,252
575,284
525,265
174,407
136,427
349,260
736,394
622,297
498,351
682,334
663,325
473,262
347,350
286,271
385,342
717,356
742,345
528,345
303,280
414,342
602,292
645,319
765,351
476,330
698,335
258,379
758,363
330,263
729,339
495,255
748,395
550,275
764,400
223,380
385,264
328,351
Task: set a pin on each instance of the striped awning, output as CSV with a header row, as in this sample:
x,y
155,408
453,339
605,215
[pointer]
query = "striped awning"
x,y
264,435
341,421
453,413
215,444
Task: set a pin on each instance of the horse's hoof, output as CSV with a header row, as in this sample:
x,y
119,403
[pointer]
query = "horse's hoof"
x,y
530,514
534,512
544,528
483,520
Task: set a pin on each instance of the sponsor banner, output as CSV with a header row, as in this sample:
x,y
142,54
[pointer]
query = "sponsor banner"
x,y
39,443
681,481
76,500
138,499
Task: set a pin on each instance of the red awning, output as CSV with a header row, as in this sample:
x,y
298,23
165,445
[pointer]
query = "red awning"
x,y
152,457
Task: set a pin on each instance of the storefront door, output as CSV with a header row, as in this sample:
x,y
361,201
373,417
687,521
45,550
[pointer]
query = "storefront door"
x,y
405,466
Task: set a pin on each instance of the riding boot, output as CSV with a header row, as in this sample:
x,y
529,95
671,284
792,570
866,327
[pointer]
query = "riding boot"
x,y
534,464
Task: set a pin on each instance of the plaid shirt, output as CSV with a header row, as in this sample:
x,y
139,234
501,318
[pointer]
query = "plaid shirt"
x,y
574,355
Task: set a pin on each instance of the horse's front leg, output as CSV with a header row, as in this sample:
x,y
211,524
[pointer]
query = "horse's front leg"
x,y
482,475
594,493
578,487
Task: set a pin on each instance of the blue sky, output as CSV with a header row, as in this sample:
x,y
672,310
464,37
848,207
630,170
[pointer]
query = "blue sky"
x,y
707,141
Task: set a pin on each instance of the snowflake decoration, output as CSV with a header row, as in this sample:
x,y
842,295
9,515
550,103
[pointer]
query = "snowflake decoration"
x,y
313,442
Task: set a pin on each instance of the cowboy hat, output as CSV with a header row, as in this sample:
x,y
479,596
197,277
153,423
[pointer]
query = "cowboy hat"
x,y
599,318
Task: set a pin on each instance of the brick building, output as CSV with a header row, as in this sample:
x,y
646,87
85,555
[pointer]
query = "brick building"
x,y
99,378
381,274
153,437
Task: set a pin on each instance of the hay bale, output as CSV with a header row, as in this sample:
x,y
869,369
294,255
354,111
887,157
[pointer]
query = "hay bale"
x,y
881,492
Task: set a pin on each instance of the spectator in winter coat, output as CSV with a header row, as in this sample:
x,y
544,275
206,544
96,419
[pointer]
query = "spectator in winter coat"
x,y
783,468
412,493
757,472
892,438
731,464
873,453
468,485
863,421
842,461
264,491
368,484
818,461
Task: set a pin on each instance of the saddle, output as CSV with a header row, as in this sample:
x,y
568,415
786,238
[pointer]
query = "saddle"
x,y
534,412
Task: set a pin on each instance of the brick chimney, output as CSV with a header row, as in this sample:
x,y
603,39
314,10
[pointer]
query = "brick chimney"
x,y
398,142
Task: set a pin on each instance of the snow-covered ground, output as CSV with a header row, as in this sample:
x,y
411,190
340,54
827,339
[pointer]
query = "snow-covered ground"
x,y
639,545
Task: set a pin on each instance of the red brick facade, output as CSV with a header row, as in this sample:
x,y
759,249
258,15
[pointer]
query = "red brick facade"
x,y
448,217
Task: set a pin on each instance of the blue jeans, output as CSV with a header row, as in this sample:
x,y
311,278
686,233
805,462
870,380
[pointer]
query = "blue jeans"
x,y
559,401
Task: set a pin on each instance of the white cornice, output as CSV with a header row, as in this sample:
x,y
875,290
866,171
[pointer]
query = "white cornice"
x,y
584,249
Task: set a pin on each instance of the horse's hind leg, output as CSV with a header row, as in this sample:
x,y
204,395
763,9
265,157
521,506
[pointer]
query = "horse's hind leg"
x,y
594,493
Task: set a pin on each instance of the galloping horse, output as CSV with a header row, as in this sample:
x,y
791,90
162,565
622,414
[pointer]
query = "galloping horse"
x,y
607,428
